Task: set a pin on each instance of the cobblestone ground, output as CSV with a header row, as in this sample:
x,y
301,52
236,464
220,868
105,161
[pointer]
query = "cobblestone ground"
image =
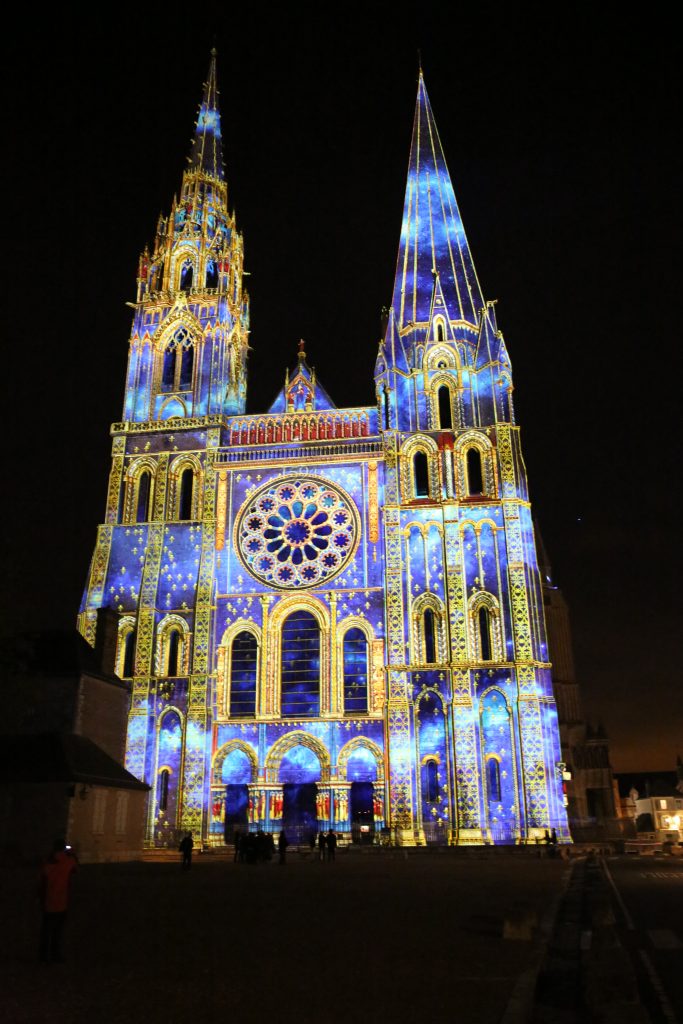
x,y
377,936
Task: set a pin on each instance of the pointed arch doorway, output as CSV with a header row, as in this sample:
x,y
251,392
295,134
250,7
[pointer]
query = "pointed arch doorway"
x,y
299,774
361,772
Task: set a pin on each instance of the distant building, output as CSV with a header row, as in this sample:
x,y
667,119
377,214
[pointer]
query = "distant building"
x,y
654,800
62,749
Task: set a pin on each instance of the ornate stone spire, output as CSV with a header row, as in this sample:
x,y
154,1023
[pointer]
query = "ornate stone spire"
x,y
207,148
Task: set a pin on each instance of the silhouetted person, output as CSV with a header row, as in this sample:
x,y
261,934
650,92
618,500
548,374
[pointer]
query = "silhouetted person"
x,y
238,840
282,845
322,844
312,841
331,844
185,848
55,880
251,851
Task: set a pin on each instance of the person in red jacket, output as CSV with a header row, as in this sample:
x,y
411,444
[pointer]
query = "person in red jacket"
x,y
55,881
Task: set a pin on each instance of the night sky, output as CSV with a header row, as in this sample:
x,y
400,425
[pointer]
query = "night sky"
x,y
560,140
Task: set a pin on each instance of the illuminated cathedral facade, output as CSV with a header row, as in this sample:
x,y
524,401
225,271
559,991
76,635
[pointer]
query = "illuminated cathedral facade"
x,y
329,617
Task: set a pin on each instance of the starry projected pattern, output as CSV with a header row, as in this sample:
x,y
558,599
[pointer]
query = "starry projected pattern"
x,y
297,533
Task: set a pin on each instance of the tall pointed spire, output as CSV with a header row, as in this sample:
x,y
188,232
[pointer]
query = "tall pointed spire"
x,y
433,239
207,147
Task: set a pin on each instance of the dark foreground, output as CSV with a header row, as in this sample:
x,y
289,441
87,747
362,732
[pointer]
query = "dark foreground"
x,y
376,936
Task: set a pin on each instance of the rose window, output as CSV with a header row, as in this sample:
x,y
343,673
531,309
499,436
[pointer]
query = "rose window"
x,y
297,533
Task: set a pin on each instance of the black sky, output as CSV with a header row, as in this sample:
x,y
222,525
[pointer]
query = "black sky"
x,y
561,139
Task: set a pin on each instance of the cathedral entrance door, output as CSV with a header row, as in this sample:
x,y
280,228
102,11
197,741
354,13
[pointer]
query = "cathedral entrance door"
x,y
299,817
236,808
362,812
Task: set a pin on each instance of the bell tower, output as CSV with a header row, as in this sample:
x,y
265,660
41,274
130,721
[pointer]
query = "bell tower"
x,y
189,341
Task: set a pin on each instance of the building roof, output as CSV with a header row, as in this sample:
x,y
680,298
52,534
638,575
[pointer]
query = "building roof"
x,y
648,784
61,757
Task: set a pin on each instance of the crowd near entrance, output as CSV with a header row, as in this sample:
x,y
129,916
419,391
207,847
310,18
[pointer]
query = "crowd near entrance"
x,y
298,794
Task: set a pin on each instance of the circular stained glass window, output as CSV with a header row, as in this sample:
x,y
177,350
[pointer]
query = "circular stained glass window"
x,y
297,532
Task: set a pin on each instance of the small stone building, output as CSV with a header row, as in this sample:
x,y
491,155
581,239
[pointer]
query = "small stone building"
x,y
62,748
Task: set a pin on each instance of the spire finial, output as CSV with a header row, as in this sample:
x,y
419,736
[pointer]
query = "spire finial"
x,y
302,353
207,148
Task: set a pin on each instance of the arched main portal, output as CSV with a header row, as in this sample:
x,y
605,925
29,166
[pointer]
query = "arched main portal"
x,y
236,776
362,773
300,771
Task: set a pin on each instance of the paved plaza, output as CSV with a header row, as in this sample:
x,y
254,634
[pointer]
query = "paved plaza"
x,y
382,936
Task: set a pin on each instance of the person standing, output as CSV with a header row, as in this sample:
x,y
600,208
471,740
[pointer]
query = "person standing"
x,y
282,845
55,881
322,843
186,852
331,844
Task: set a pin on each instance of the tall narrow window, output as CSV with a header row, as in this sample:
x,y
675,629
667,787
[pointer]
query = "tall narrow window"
x,y
385,408
300,665
439,331
186,277
186,368
164,777
355,672
173,652
212,274
485,634
168,372
186,484
493,778
178,362
475,480
144,488
129,654
421,475
430,781
243,675
429,626
445,411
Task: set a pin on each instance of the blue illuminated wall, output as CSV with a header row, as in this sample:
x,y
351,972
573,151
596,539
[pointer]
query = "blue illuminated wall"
x,y
335,614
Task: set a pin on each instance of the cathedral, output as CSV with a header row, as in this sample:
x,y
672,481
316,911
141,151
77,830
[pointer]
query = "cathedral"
x,y
330,618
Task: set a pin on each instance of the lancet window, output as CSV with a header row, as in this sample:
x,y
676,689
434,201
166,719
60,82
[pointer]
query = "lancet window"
x,y
430,780
186,276
493,778
300,665
475,477
429,632
485,628
173,647
125,650
143,494
211,274
355,653
162,789
475,466
445,402
243,675
421,475
185,503
178,362
485,633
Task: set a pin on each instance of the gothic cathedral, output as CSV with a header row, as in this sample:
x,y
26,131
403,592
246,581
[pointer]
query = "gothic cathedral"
x,y
330,618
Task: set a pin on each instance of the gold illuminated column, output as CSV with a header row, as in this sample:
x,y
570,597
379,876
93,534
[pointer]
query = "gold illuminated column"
x,y
332,704
266,707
